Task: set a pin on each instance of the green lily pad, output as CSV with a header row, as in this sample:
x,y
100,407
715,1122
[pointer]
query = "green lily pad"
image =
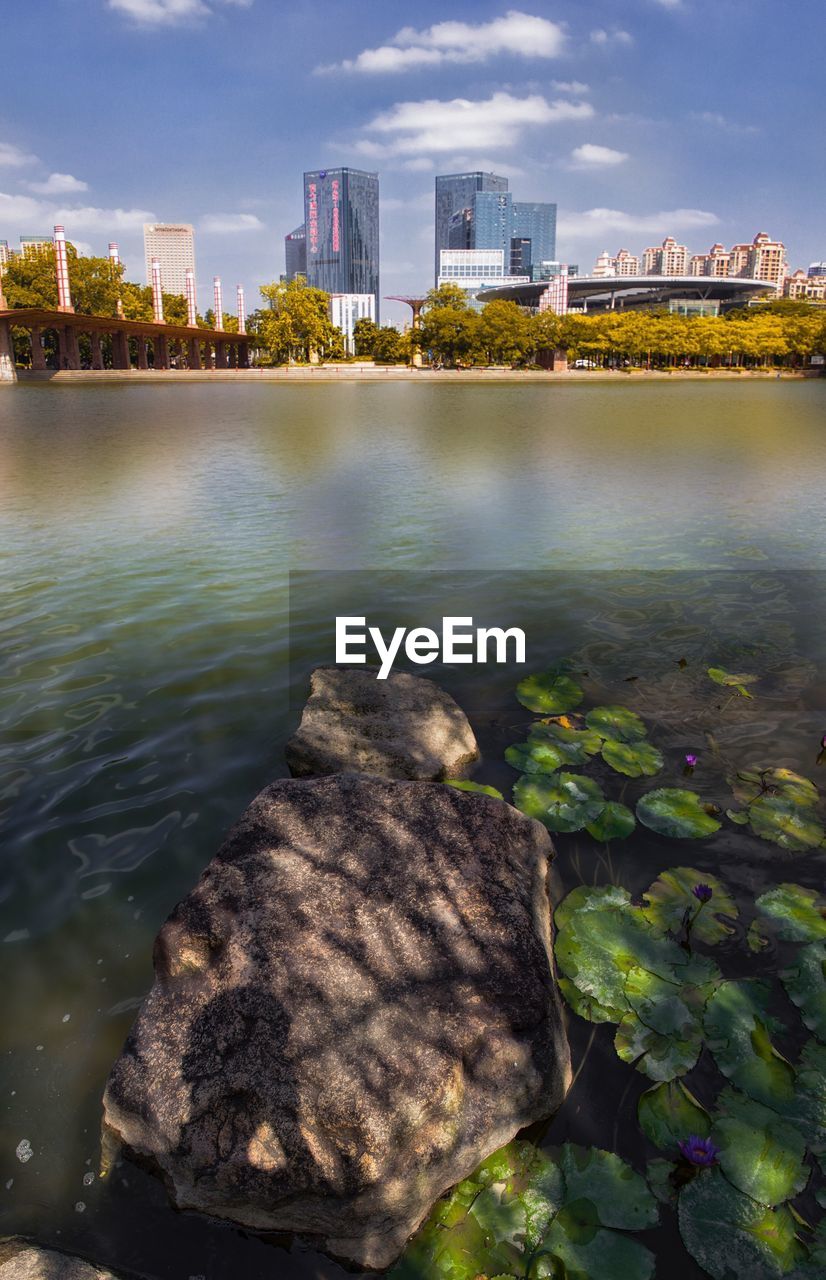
x,y
750,784
731,1236
760,1153
537,757
805,982
585,1005
670,905
808,1111
621,1196
617,723
675,812
616,822
797,914
669,1114
563,801
659,1175
587,897
662,1033
580,743
738,1028
738,816
478,788
586,1252
786,823
550,693
730,681
634,759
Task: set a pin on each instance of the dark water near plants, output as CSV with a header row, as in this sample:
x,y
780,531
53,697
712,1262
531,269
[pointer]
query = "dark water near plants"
x,y
148,682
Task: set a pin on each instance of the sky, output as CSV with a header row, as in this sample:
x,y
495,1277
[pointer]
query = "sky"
x,y
700,119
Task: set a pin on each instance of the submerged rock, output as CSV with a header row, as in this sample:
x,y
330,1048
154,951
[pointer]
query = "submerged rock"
x,y
401,727
351,1009
20,1260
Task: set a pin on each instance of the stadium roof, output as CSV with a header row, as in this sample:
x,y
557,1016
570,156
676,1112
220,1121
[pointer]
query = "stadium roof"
x,y
600,290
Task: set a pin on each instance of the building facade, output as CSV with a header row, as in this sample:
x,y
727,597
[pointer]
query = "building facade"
x,y
295,253
535,221
473,269
455,192
173,244
767,260
346,309
341,218
816,269
33,246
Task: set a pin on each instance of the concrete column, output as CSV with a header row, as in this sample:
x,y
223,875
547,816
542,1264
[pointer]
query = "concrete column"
x,y
220,355
38,354
69,350
207,355
560,361
8,373
161,352
194,353
143,358
97,354
243,355
121,358
232,355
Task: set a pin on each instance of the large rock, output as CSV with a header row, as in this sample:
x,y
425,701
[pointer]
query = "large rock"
x,y
401,727
351,1009
20,1260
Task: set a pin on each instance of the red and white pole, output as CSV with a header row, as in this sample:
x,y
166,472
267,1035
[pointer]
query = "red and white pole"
x,y
61,261
191,306
218,304
114,254
242,310
157,291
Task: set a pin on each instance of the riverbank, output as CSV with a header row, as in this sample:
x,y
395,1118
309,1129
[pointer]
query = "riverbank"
x,y
402,373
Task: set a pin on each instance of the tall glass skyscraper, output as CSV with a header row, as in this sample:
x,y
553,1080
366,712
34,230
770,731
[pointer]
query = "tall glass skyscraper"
x,y
295,253
454,192
341,218
535,222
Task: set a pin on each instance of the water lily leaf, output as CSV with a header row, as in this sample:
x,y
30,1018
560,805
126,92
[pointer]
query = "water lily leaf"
x,y
760,1153
480,788
578,744
805,982
502,1217
563,802
659,1175
603,1255
536,757
738,1028
797,914
738,816
550,693
670,905
660,1055
790,825
808,1112
634,759
736,682
750,784
673,811
731,1236
590,898
616,822
585,1005
620,1195
617,723
669,1113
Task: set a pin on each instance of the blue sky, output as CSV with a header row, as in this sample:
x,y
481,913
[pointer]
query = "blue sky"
x,y
698,118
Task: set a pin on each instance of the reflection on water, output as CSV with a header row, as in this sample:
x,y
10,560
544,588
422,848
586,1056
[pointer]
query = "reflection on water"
x,y
146,536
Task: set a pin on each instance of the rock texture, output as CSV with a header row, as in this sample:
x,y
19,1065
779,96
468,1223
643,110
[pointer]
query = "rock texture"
x,y
20,1260
401,727
351,1009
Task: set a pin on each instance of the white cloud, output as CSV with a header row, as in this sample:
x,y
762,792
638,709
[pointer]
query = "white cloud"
x,y
594,223
90,218
570,86
58,184
433,126
11,157
519,34
593,156
167,13
419,164
222,223
615,36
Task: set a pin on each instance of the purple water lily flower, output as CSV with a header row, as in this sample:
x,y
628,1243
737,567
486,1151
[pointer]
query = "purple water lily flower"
x,y
703,892
690,760
699,1151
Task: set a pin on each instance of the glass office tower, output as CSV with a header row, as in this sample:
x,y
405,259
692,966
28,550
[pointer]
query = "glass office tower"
x,y
295,253
341,218
454,192
535,221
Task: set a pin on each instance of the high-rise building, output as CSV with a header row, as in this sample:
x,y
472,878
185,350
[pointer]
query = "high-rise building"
x,y
667,259
341,216
473,269
623,264
5,253
454,192
816,269
295,253
346,309
767,260
173,244
535,221
32,246
492,221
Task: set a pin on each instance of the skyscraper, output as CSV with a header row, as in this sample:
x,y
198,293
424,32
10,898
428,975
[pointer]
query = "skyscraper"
x,y
341,216
535,221
295,253
454,192
173,244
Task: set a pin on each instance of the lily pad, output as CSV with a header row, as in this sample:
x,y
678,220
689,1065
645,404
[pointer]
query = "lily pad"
x,y
669,1114
621,1196
661,1035
760,1153
808,1112
479,788
738,1028
797,914
805,983
618,723
537,757
583,1250
563,801
675,812
670,904
786,823
579,743
585,1006
551,693
751,784
634,759
616,822
733,1237
586,897
730,681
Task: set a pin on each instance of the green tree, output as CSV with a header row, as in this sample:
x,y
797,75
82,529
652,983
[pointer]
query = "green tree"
x,y
390,346
504,332
94,283
297,325
447,295
450,334
364,336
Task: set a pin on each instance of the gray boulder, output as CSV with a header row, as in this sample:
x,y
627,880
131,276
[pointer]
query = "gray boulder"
x,y
351,1009
20,1260
401,727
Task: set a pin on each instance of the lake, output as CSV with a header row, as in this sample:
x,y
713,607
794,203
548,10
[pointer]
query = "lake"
x,y
155,654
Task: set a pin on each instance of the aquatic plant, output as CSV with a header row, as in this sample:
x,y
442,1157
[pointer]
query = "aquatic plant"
x,y
463,784
675,812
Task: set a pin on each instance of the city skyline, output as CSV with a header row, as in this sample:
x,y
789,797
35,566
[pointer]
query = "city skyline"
x,y
595,112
